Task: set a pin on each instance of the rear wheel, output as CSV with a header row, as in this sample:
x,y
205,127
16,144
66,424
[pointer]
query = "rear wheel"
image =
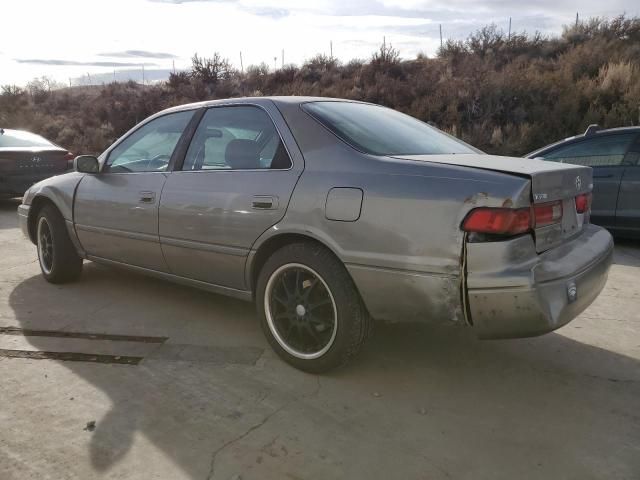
x,y
59,261
310,309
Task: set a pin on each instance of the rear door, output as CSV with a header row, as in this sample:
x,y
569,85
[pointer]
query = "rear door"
x,y
628,211
605,154
116,210
235,183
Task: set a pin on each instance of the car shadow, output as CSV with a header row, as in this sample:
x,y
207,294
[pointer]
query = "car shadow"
x,y
574,396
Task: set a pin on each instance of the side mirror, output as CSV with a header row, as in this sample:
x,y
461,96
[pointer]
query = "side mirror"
x,y
86,164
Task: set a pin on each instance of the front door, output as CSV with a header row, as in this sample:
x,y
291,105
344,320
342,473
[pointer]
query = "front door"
x,y
235,183
116,210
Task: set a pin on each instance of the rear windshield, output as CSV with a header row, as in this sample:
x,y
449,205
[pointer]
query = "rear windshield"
x,y
381,131
17,138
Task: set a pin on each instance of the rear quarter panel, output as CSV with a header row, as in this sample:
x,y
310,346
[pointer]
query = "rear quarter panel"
x,y
404,252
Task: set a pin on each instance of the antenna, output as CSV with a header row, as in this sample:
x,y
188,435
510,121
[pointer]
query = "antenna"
x,y
577,18
275,64
331,48
509,36
241,65
440,36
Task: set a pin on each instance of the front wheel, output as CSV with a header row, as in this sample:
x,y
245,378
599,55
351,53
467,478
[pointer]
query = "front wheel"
x,y
310,309
59,261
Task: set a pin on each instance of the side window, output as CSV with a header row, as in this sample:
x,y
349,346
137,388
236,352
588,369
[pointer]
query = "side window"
x,y
633,155
149,148
601,151
236,138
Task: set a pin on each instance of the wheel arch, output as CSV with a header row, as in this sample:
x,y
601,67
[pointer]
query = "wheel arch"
x,y
274,243
37,204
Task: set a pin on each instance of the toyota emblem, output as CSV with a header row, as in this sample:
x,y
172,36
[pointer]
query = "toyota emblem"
x,y
578,183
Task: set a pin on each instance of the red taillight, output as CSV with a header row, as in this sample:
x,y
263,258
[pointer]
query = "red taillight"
x,y
547,213
500,221
69,157
583,203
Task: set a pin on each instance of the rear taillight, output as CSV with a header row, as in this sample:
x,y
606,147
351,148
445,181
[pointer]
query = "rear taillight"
x,y
547,213
69,158
512,221
499,221
583,203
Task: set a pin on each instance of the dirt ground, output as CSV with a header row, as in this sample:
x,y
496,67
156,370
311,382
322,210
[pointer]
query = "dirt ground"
x,y
177,383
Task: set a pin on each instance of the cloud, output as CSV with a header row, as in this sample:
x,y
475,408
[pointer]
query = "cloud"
x,y
52,61
178,2
274,13
138,54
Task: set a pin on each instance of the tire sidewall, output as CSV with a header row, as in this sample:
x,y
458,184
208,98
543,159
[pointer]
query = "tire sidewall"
x,y
345,296
66,265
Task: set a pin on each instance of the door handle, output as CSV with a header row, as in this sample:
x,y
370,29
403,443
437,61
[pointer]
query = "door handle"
x,y
264,202
147,197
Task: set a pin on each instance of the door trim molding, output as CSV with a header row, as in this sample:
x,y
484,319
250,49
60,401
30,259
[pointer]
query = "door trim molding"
x,y
206,247
119,233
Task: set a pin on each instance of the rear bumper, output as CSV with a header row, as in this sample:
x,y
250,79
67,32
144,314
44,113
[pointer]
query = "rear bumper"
x,y
536,294
18,184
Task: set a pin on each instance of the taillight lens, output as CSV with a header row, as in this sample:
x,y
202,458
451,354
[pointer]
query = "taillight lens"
x,y
69,157
499,221
583,203
547,213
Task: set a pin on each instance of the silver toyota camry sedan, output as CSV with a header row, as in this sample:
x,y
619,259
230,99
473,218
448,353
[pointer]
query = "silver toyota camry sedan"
x,y
327,214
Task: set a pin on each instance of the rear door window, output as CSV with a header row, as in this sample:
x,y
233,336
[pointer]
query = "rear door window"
x,y
601,151
236,138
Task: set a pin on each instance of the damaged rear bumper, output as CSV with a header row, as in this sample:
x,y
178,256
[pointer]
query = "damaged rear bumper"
x,y
514,292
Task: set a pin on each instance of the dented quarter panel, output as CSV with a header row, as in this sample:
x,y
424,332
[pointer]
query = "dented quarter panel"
x,y
404,251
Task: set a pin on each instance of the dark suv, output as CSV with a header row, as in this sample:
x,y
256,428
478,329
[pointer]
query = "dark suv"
x,y
614,155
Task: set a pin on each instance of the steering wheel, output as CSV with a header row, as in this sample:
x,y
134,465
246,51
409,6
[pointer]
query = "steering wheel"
x,y
159,161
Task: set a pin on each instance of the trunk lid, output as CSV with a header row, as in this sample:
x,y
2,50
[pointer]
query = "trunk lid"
x,y
550,182
33,161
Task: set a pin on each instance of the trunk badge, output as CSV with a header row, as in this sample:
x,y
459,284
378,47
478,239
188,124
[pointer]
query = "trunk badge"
x,y
578,183
572,292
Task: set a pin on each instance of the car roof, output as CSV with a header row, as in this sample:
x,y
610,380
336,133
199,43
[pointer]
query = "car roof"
x,y
582,136
292,99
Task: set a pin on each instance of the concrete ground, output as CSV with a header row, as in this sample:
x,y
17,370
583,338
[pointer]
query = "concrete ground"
x,y
209,399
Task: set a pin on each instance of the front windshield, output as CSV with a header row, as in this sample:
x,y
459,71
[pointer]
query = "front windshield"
x,y
382,131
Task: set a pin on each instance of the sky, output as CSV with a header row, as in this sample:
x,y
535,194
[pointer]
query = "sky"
x,y
67,39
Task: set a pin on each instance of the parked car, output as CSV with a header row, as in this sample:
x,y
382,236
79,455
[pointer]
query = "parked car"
x,y
614,155
328,213
27,158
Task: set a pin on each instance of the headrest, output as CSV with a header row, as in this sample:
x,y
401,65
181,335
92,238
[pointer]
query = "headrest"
x,y
242,154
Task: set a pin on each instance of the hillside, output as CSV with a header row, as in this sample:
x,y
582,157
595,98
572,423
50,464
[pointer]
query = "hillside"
x,y
503,95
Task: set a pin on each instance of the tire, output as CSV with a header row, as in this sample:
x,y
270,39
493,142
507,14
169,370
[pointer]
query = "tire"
x,y
58,259
310,309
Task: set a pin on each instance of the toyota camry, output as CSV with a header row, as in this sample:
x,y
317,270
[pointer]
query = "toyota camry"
x,y
327,214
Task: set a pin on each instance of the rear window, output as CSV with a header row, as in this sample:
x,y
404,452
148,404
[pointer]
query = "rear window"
x,y
17,138
382,131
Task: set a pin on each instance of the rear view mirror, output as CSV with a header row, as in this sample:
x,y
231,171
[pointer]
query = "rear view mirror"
x,y
86,164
